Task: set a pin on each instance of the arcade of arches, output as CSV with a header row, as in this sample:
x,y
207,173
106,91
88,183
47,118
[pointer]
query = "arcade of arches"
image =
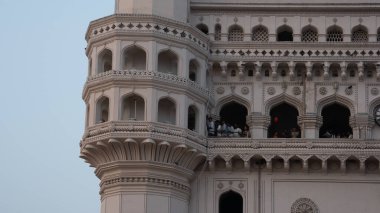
x,y
283,121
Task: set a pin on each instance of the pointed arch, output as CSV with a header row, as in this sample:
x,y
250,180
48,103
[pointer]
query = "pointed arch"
x,y
232,98
193,118
168,62
194,70
102,109
105,60
283,98
132,107
134,57
167,111
335,99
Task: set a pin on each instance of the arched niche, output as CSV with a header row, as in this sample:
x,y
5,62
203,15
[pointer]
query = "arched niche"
x,y
336,121
285,33
234,113
203,28
359,34
192,118
309,34
194,73
334,34
105,61
133,108
260,33
166,111
168,62
235,33
218,32
134,58
102,110
230,202
284,122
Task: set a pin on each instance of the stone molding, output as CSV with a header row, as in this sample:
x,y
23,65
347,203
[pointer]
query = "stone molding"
x,y
142,24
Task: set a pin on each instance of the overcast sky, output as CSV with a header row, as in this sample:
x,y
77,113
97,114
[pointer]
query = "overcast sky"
x,y
43,70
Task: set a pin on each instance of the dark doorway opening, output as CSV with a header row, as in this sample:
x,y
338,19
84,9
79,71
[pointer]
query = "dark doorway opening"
x,y
336,122
234,113
284,122
230,202
285,36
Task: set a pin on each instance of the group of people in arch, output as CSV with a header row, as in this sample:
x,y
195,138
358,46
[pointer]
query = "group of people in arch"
x,y
284,122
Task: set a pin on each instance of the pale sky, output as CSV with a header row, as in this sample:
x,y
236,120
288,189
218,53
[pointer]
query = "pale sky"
x,y
43,70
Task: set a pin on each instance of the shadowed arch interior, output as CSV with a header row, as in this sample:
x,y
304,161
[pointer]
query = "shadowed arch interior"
x,y
336,122
234,113
231,202
283,122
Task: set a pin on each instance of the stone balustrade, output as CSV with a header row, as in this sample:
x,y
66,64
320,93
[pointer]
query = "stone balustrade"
x,y
167,79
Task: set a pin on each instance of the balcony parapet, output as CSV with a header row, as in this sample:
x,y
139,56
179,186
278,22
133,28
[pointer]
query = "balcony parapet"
x,y
141,75
142,130
293,143
142,24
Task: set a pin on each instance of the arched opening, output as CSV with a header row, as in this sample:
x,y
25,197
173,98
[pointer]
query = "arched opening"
x,y
231,202
359,34
285,33
192,114
203,28
260,33
105,61
233,119
193,70
232,68
134,58
133,108
235,33
333,164
334,70
334,34
284,122
336,122
168,62
309,34
378,35
166,111
218,32
102,110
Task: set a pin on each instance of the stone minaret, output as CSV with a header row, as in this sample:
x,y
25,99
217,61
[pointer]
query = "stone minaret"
x,y
146,98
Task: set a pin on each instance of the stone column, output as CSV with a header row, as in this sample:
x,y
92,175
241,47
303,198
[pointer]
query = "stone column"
x,y
311,123
258,125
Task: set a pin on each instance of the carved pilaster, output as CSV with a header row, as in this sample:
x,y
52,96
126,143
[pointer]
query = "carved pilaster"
x,y
326,67
274,70
258,124
343,67
310,123
362,125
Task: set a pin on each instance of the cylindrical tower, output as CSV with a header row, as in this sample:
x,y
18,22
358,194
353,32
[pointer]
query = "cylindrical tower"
x,y
146,97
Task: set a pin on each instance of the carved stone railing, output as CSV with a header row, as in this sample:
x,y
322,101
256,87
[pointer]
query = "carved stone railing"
x,y
142,24
166,78
293,143
143,130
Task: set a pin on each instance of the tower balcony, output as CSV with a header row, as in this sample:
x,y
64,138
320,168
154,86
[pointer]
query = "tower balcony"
x,y
147,78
